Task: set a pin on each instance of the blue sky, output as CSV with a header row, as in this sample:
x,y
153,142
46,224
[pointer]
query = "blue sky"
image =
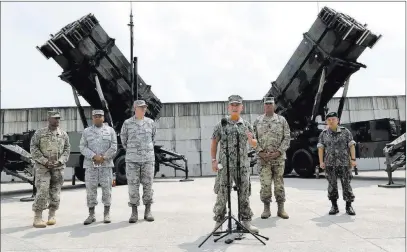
x,y
193,51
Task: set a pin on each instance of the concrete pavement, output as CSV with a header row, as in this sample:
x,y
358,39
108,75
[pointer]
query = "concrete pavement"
x,y
183,212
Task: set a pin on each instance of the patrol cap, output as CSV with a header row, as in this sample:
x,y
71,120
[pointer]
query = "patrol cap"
x,y
98,112
235,99
53,114
268,100
331,114
140,103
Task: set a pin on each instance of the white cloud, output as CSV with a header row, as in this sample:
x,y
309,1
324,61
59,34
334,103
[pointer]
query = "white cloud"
x,y
194,51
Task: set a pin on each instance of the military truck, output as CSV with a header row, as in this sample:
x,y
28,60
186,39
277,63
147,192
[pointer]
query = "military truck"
x,y
323,63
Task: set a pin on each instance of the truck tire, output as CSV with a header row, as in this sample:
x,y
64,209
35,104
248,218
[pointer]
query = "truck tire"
x,y
80,171
303,163
120,170
288,168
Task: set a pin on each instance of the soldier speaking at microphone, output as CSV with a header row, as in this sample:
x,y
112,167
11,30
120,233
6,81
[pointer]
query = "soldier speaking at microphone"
x,y
50,149
137,136
245,132
273,136
98,145
336,151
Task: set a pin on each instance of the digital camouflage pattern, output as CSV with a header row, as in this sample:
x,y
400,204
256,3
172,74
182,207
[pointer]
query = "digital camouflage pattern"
x,y
98,141
140,173
219,133
345,175
272,172
336,146
95,176
272,134
137,137
52,146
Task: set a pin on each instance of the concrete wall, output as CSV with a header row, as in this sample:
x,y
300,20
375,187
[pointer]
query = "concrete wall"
x,y
186,128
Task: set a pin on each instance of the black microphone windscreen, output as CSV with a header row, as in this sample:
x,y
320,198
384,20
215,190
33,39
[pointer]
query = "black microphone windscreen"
x,y
223,122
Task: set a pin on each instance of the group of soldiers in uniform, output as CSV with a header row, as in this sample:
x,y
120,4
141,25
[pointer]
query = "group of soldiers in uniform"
x,y
269,136
50,150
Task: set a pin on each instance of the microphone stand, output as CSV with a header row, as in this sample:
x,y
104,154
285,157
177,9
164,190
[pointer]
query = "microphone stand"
x,y
229,230
239,227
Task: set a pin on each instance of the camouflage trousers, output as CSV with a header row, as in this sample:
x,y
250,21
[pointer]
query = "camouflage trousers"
x,y
48,183
272,172
95,176
136,173
222,193
345,175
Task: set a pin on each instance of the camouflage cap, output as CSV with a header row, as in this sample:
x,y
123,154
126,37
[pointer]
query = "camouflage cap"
x,y
140,103
54,114
98,112
268,100
235,99
331,114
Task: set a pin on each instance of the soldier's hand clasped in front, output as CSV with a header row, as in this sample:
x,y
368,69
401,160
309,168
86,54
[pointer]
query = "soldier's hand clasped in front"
x,y
273,134
137,137
98,145
50,149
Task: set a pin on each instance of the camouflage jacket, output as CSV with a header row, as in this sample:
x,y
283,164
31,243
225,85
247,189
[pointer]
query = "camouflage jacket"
x,y
272,134
336,146
50,146
138,138
229,132
98,141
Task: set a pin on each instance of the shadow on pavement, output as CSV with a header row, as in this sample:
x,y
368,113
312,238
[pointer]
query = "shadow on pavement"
x,y
220,245
328,220
79,230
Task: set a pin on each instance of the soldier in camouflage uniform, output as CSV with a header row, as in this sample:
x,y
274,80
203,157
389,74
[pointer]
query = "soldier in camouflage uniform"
x,y
245,131
50,149
273,135
137,137
336,151
98,145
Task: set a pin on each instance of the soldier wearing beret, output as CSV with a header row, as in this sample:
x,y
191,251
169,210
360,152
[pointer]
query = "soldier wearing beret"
x,y
273,135
245,131
98,145
336,151
137,137
50,149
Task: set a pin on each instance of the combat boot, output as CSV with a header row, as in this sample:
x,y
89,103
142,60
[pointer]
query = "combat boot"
x,y
147,213
91,218
38,222
266,213
250,227
51,217
334,209
281,212
134,215
349,208
106,214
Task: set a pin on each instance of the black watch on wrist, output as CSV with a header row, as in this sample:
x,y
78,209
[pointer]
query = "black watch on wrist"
x,y
353,159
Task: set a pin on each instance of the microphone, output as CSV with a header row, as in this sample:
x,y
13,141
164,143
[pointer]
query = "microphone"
x,y
224,121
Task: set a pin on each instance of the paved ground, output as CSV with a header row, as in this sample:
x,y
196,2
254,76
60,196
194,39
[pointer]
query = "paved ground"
x,y
183,212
